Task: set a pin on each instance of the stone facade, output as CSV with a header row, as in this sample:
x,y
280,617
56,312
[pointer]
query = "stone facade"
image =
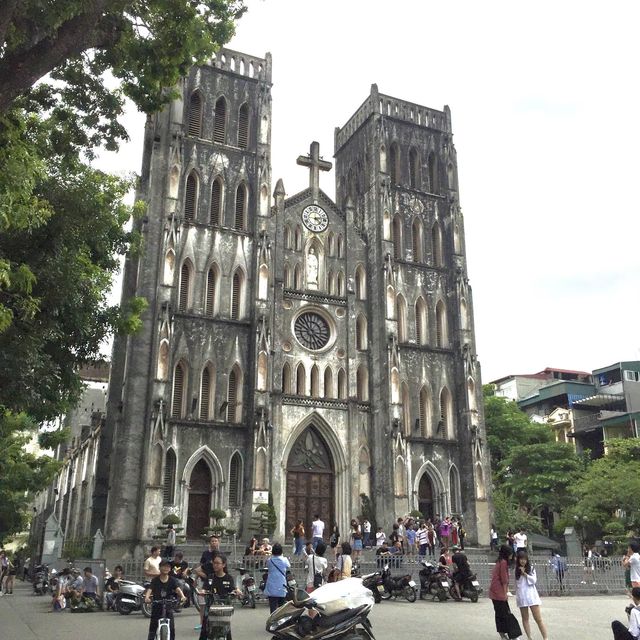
x,y
295,349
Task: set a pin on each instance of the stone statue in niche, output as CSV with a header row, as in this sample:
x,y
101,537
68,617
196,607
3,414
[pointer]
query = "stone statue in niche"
x,y
312,269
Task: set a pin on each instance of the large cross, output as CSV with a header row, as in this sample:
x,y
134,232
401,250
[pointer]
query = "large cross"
x,y
315,164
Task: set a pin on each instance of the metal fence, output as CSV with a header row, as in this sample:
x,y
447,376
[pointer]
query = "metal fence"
x,y
581,577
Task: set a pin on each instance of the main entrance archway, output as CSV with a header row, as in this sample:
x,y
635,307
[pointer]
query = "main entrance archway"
x,y
425,497
310,482
200,488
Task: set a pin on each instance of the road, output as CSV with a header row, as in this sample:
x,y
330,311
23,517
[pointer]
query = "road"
x,y
27,617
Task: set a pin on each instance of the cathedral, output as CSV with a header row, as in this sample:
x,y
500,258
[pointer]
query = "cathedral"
x,y
311,354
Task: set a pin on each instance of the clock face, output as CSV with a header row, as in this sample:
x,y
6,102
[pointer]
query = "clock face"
x,y
315,218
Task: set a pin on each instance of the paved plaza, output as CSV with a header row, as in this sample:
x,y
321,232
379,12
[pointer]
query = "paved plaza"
x,y
27,617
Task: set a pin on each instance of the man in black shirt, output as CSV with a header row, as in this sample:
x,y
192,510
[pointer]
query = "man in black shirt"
x,y
162,586
112,586
208,555
461,571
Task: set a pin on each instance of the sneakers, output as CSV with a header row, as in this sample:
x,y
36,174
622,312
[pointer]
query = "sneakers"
x,y
197,627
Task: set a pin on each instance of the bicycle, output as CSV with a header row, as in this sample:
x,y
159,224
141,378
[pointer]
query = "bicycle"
x,y
163,632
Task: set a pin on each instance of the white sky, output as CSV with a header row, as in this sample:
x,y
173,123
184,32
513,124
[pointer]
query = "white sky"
x,y
544,99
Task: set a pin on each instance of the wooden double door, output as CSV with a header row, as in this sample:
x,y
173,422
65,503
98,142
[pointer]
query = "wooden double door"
x,y
310,483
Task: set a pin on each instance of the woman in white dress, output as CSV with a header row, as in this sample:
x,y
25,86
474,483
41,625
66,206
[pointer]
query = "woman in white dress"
x,y
527,594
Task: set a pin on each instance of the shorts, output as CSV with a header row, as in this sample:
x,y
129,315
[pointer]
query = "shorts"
x,y
357,545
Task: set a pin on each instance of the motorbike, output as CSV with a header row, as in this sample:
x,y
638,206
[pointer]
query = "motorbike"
x,y
398,586
337,610
219,619
188,585
434,581
41,579
470,588
53,581
373,582
248,588
130,597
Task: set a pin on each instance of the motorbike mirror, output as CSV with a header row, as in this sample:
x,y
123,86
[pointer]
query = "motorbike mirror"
x,y
300,597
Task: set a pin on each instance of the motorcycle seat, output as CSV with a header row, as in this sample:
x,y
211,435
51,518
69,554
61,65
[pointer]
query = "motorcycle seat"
x,y
341,616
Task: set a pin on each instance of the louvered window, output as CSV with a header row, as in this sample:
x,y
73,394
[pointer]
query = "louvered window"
x,y
423,413
235,478
215,212
236,294
185,277
211,293
178,391
195,115
220,122
232,397
205,390
241,205
243,126
168,493
190,197
413,169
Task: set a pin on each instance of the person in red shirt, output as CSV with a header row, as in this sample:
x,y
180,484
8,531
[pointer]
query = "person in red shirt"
x,y
499,589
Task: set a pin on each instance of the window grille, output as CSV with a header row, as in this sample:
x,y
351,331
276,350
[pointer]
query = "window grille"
x,y
211,293
232,397
195,115
205,389
216,202
241,205
190,197
235,478
168,493
183,298
235,296
178,392
220,121
243,126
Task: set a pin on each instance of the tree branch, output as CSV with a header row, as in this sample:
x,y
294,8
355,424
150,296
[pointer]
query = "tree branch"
x,y
7,9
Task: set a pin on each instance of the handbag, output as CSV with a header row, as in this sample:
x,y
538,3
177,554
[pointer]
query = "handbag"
x,y
513,627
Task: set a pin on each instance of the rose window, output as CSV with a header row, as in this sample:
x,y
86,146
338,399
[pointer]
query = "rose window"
x,y
312,331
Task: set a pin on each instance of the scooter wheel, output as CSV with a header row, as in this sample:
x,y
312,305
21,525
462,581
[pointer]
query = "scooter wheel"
x,y
146,609
442,595
385,595
474,596
410,594
123,609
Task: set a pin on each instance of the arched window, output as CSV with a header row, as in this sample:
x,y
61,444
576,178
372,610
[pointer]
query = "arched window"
x,y
425,412
264,200
456,240
206,393
215,210
262,371
169,480
394,164
195,115
331,281
298,238
454,490
191,196
414,169
162,372
340,246
445,426
169,265
391,303
432,170
471,395
362,383
286,276
397,237
328,383
416,236
386,226
442,337
315,381
361,333
243,126
383,159
421,321
395,386
401,317
263,282
297,277
184,289
210,302
361,283
401,477
234,395
237,295
179,390
341,287
331,244
464,315
240,221
406,409
286,378
343,391
301,380
436,241
235,481
451,176
286,236
220,121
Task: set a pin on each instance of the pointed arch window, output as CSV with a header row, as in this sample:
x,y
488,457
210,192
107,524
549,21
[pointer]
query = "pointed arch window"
x,y
361,283
243,126
184,290
237,295
401,316
397,237
195,115
464,315
263,282
179,390
297,276
432,170
315,381
191,196
446,414
211,291
220,121
331,244
286,236
286,378
298,238
286,276
442,338
362,383
417,237
391,303
340,246
436,241
215,209
169,480
328,383
162,372
454,490
206,394
414,169
361,333
341,286
301,380
342,385
394,164
406,409
169,265
421,322
235,481
425,413
263,368
240,221
234,395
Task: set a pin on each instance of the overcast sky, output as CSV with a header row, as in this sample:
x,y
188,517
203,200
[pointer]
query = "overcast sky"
x,y
544,101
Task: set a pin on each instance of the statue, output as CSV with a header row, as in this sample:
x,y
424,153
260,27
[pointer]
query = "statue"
x,y
312,269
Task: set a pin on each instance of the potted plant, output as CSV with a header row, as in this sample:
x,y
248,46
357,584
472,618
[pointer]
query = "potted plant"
x,y
217,515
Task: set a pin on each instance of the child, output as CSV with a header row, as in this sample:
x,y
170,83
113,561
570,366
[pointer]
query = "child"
x,y
527,595
620,632
162,586
381,537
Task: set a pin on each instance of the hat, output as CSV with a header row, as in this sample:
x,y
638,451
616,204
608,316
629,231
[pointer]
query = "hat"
x,y
455,547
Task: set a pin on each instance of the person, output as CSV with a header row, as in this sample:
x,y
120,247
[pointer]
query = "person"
x,y
4,565
252,547
366,532
493,542
559,565
112,586
520,540
208,555
356,539
381,537
423,540
219,584
265,548
445,559
170,544
453,533
344,562
152,564
527,597
431,539
317,530
316,565
444,531
411,539
276,586
498,590
620,632
59,596
162,586
401,532
90,586
461,570
511,541
298,537
74,586
632,562
180,571
462,534
382,555
10,577
335,536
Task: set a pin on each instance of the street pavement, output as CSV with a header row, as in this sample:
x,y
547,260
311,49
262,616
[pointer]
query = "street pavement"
x,y
24,616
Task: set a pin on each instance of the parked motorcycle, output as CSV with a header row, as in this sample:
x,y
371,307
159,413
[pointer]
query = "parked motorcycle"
x,y
248,588
340,610
373,582
398,586
41,579
292,585
130,597
470,588
434,581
